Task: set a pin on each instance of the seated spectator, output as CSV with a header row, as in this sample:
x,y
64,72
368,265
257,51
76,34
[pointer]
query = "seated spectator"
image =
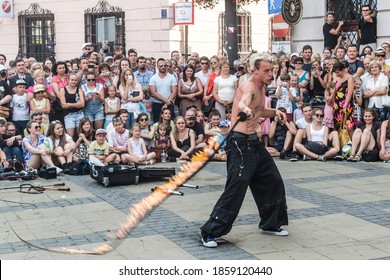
x,y
117,139
182,141
200,118
147,132
62,145
301,124
41,103
366,138
164,118
162,141
198,129
123,115
11,143
220,154
212,127
37,116
85,137
100,149
36,148
384,153
281,134
137,152
319,140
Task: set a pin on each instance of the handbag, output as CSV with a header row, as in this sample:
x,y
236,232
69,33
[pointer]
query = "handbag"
x,y
206,108
316,147
343,134
371,155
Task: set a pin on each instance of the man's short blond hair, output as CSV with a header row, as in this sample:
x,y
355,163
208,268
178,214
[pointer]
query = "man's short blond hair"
x,y
256,59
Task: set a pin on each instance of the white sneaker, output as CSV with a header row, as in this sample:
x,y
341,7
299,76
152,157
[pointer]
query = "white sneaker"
x,y
305,157
275,231
95,161
59,170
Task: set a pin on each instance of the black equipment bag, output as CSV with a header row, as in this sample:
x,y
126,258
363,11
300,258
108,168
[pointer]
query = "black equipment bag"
x,y
47,173
156,172
114,175
80,167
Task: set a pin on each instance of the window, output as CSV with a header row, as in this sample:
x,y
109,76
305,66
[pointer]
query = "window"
x,y
105,24
350,12
36,33
244,32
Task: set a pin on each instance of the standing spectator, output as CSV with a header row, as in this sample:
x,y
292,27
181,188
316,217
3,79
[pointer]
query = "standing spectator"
x,y
284,95
72,101
215,70
224,89
356,67
204,73
331,30
40,102
163,89
3,59
21,73
367,28
132,95
132,56
190,90
112,105
303,78
343,99
5,90
307,52
20,108
94,100
59,81
317,83
39,77
377,87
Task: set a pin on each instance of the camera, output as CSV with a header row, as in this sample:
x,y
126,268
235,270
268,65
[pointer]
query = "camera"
x,y
91,66
241,68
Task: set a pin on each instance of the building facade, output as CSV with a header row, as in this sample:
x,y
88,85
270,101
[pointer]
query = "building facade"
x,y
309,29
58,28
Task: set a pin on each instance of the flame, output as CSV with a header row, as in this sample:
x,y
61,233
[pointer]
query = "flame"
x,y
140,209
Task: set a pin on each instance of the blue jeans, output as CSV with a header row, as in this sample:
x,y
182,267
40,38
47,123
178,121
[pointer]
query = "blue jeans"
x,y
10,152
248,164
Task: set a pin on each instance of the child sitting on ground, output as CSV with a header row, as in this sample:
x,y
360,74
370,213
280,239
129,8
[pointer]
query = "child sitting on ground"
x,y
99,150
162,141
137,152
221,153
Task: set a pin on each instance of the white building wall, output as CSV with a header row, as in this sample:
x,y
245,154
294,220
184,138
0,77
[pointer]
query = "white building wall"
x,y
145,29
309,29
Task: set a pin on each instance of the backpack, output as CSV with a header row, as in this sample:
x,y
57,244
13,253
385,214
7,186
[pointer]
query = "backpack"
x,y
80,167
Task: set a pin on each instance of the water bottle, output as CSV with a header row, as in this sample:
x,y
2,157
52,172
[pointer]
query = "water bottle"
x,y
163,156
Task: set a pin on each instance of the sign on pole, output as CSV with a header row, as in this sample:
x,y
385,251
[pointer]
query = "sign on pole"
x,y
274,7
7,8
183,13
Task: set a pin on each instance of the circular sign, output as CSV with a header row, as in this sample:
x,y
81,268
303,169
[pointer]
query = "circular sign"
x,y
292,11
6,6
279,27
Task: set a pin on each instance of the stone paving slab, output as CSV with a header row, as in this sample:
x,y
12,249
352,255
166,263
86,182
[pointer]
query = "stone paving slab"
x,y
337,210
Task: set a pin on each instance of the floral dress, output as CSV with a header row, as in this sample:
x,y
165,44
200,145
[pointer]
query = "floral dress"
x,y
339,101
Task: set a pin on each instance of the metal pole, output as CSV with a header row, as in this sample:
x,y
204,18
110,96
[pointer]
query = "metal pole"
x,y
231,31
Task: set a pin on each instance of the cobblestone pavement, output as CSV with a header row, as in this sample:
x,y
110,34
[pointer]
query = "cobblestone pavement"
x,y
337,210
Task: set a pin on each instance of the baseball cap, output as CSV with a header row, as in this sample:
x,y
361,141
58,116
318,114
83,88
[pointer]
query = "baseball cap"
x,y
380,49
100,131
21,82
294,54
38,88
108,58
223,123
86,44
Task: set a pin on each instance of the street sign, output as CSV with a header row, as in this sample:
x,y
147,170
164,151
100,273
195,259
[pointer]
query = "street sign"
x,y
279,27
284,46
274,7
7,8
183,13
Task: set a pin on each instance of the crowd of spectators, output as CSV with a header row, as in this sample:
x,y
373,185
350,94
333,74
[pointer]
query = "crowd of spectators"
x,y
132,109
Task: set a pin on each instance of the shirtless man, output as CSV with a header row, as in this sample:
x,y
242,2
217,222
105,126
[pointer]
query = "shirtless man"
x,y
249,163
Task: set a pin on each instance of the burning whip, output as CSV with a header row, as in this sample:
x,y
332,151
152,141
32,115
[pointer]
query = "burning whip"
x,y
139,210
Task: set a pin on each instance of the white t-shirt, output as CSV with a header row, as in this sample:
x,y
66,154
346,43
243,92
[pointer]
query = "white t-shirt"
x,y
226,88
284,100
202,76
118,140
20,108
57,141
163,86
301,123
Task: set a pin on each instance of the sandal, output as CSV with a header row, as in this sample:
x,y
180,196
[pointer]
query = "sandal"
x,y
357,158
351,158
